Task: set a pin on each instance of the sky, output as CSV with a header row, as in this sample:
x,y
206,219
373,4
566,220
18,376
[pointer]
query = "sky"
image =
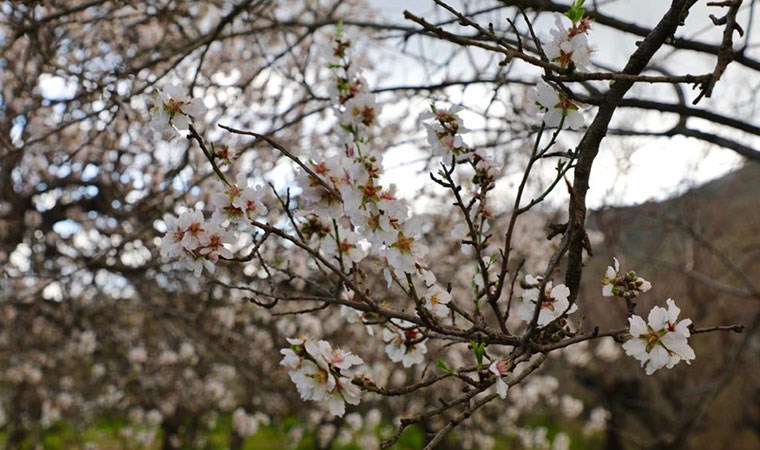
x,y
642,169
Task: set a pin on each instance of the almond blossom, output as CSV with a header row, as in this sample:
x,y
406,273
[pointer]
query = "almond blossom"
x,y
197,242
405,344
172,108
213,241
660,342
444,132
403,252
319,373
193,225
238,201
499,368
569,47
627,285
171,244
554,305
558,109
351,247
436,299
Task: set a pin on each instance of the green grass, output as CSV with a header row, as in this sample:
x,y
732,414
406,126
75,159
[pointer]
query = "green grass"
x,y
105,434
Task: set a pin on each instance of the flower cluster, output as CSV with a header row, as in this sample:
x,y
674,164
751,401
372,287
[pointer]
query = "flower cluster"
x,y
345,188
200,242
659,342
405,343
320,373
444,132
554,305
627,285
172,108
355,106
568,46
237,202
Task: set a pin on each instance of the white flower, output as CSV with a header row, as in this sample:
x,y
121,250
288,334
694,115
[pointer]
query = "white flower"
x,y
428,277
643,285
352,245
444,132
608,283
312,382
498,368
341,359
238,200
319,373
436,299
213,242
404,251
569,46
290,359
251,202
344,392
192,222
197,263
555,303
171,243
627,285
172,108
661,342
404,345
314,195
557,107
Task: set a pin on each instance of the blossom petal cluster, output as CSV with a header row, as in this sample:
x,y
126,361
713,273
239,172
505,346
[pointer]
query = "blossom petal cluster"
x,y
172,109
661,341
569,47
554,305
237,202
499,369
405,343
199,242
444,132
558,109
321,373
344,188
627,285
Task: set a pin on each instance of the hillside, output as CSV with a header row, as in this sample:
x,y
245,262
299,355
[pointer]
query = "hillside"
x,y
701,249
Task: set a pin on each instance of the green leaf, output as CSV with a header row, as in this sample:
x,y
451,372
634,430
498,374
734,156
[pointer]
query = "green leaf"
x,y
442,365
479,349
576,11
